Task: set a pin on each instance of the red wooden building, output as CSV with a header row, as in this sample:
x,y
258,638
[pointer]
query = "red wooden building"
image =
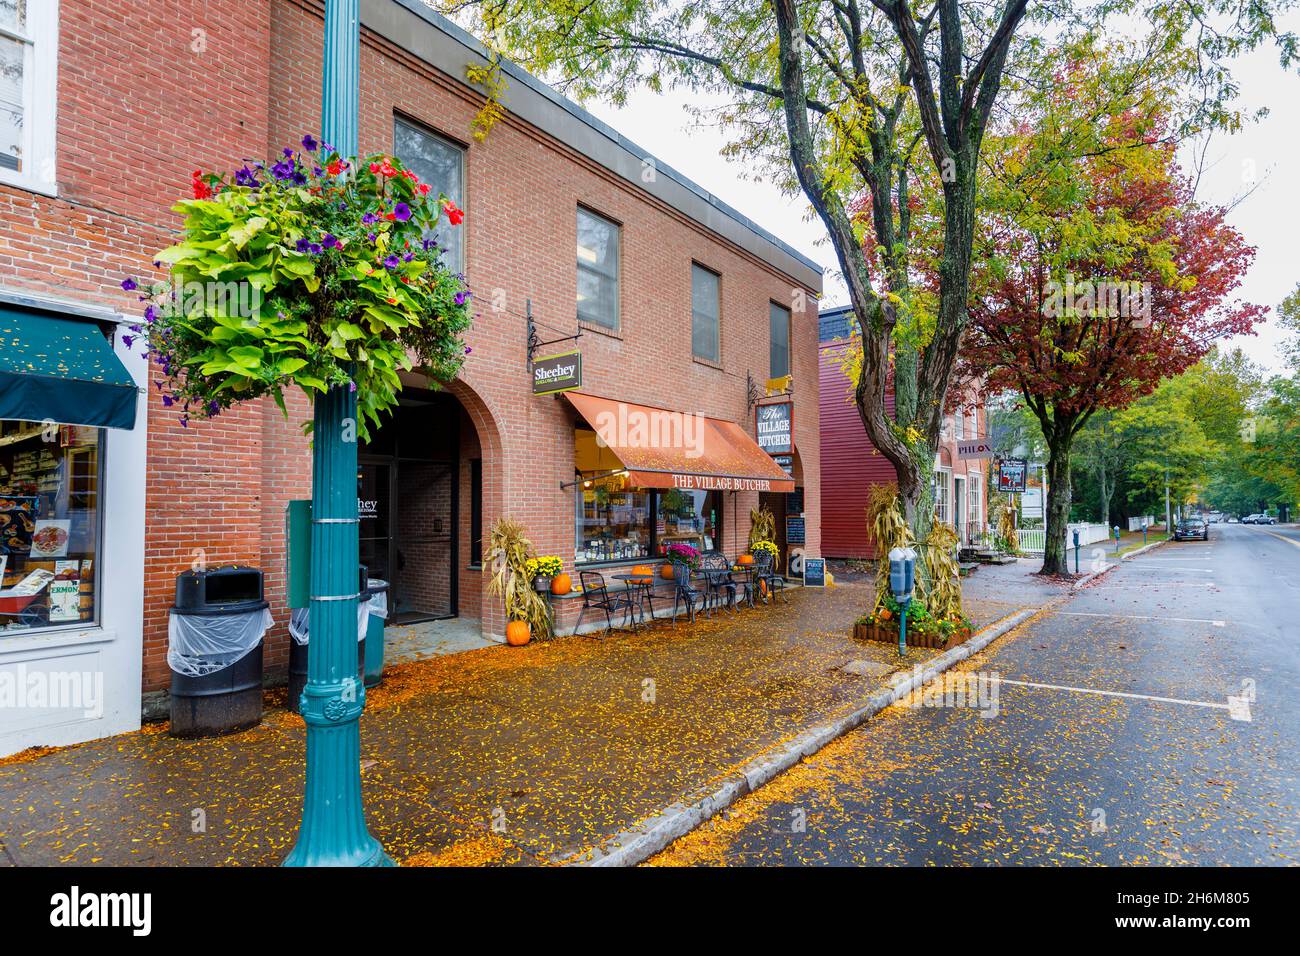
x,y
851,464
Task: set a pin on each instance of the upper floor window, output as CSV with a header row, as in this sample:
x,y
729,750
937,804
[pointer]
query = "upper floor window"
x,y
28,56
440,163
597,269
779,320
705,310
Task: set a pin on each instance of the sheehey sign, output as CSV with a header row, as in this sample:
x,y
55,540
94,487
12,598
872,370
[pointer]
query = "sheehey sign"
x,y
557,373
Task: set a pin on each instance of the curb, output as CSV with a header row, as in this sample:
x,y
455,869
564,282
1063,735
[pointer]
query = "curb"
x,y
1145,547
643,841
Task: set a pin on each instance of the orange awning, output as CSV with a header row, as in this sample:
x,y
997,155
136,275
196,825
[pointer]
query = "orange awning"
x,y
661,448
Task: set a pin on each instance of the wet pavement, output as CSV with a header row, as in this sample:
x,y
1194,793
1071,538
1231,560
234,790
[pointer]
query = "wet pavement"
x,y
1118,744
501,755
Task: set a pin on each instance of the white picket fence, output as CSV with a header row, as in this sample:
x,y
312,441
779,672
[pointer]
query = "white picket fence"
x,y
1135,524
1032,540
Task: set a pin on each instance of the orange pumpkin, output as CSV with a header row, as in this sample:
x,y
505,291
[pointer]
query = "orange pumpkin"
x,y
643,579
561,584
517,633
886,614
745,559
666,572
644,570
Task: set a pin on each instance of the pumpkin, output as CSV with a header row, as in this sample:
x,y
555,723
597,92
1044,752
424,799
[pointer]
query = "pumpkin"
x,y
643,579
886,614
561,584
666,572
644,570
517,633
745,559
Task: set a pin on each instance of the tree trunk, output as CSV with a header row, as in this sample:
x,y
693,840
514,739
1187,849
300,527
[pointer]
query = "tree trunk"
x,y
1059,440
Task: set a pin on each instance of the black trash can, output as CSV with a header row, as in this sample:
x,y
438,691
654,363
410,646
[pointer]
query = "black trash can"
x,y
223,697
299,624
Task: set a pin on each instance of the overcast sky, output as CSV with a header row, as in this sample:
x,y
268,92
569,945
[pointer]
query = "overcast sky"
x,y
1265,150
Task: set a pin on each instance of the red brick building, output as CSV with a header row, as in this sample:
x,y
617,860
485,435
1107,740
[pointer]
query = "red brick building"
x,y
851,465
682,303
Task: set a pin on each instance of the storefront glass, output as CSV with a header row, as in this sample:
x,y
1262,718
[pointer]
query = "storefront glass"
x,y
49,524
688,517
616,522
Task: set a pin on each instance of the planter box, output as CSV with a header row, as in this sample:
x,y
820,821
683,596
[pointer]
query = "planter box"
x,y
888,634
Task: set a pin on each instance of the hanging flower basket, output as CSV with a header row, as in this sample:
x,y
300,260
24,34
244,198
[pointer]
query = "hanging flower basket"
x,y
310,271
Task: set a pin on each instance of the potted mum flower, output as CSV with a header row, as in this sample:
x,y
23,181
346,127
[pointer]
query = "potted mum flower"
x,y
684,559
312,270
543,569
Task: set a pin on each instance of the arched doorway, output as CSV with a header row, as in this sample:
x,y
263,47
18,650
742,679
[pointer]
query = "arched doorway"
x,y
428,487
788,508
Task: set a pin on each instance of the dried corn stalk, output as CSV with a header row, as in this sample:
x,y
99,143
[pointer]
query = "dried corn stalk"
x,y
1007,529
508,553
886,530
943,588
762,526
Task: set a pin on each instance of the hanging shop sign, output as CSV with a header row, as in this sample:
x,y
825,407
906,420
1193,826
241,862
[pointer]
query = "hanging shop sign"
x,y
786,462
980,448
557,373
1011,475
775,428
814,572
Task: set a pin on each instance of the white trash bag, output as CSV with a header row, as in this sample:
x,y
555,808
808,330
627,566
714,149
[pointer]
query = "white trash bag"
x,y
201,644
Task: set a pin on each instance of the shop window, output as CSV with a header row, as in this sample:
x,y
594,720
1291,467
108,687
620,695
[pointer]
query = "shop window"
x,y
598,267
705,310
942,485
28,65
440,163
688,517
49,524
974,509
779,320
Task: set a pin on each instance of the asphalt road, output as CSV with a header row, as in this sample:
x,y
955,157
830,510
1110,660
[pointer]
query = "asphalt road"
x,y
1117,743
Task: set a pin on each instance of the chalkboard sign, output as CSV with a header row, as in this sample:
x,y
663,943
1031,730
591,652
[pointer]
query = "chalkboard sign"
x,y
795,530
794,502
814,572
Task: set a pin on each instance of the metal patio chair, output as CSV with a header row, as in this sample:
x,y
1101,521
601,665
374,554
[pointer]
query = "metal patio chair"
x,y
596,596
718,582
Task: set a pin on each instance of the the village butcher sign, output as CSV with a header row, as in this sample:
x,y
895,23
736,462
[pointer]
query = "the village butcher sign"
x,y
557,373
775,425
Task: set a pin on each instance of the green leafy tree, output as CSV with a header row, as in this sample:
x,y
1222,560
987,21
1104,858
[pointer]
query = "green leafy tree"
x,y
846,100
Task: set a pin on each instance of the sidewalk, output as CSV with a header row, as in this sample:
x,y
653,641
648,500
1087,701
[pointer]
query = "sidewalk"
x,y
532,755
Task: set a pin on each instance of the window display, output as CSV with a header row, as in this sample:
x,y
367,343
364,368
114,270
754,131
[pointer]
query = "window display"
x,y
688,517
613,521
49,524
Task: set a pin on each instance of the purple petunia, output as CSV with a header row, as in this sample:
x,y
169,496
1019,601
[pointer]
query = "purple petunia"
x,y
430,244
128,341
408,257
168,401
288,152
316,248
468,350
461,297
371,236
302,245
329,241
369,219
246,177
392,262
150,313
129,285
284,169
309,144
402,212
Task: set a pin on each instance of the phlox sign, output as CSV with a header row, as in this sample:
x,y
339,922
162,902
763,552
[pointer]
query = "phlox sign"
x,y
979,448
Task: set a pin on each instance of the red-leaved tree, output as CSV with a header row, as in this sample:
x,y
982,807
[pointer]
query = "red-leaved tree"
x,y
1094,283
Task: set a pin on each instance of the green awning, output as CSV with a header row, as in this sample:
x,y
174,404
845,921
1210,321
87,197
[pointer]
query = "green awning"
x,y
62,369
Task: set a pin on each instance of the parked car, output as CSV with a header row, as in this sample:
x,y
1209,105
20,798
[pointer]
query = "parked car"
x,y
1192,528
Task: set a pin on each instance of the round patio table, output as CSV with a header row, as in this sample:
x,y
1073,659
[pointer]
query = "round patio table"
x,y
643,585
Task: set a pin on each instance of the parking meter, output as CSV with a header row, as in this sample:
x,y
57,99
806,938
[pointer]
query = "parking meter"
x,y
902,579
1144,532
1115,531
1076,550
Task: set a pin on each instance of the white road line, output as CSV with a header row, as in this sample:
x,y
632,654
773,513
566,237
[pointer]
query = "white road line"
x,y
1112,693
1143,587
1146,617
1180,568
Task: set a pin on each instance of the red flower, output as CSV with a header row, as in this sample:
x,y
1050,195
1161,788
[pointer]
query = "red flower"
x,y
454,216
374,168
424,189
386,169
201,189
335,167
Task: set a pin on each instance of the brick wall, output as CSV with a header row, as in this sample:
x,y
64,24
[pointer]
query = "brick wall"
x,y
142,103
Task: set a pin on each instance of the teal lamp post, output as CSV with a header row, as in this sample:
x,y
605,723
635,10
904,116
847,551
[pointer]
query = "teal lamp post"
x,y
333,831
